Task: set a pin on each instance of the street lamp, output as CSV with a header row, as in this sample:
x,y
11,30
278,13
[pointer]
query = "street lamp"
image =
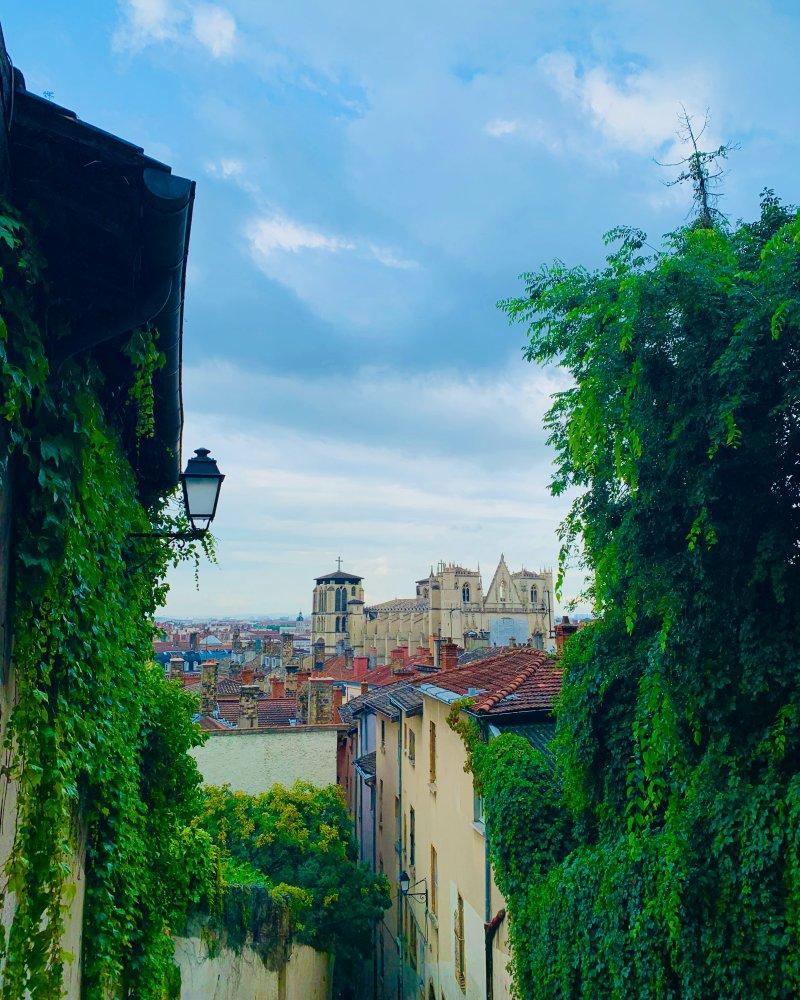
x,y
405,886
201,481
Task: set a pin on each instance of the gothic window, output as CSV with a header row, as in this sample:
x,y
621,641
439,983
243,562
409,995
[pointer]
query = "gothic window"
x,y
338,624
352,591
465,593
534,595
341,598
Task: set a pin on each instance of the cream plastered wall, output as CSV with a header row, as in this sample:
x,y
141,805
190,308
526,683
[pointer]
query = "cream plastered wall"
x,y
254,761
443,817
243,976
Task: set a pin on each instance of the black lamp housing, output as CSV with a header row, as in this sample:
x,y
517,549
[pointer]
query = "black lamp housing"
x,y
201,481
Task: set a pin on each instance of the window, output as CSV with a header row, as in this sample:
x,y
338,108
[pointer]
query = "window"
x,y
412,825
380,862
458,933
432,753
352,591
397,822
380,803
412,746
502,591
477,807
383,734
434,881
534,595
465,593
412,942
405,837
338,624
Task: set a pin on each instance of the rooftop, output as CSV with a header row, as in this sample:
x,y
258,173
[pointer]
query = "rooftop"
x,y
512,682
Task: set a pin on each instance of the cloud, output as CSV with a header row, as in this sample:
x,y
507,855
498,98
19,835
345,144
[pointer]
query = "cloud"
x,y
638,112
396,471
388,257
226,168
277,234
499,127
146,22
215,28
158,22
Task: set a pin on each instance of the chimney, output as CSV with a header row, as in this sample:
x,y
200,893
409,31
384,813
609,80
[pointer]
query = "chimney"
x,y
349,657
175,666
276,687
448,656
360,666
320,701
364,687
248,706
247,675
338,697
208,687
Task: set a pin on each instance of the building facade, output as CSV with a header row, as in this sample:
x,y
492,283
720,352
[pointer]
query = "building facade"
x,y
449,604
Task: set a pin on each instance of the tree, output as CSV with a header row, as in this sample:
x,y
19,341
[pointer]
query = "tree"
x,y
678,736
299,842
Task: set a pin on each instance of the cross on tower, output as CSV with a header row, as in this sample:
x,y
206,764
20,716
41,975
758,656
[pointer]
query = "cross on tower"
x,y
339,564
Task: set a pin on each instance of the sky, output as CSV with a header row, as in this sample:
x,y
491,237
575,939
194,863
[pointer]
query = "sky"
x,y
371,179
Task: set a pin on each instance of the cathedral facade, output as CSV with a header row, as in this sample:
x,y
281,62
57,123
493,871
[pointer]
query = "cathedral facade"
x,y
450,603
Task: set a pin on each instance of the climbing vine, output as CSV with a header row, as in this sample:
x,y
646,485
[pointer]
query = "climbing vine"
x,y
295,848
659,857
97,740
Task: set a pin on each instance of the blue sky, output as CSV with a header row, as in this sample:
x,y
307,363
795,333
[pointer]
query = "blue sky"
x,y
371,179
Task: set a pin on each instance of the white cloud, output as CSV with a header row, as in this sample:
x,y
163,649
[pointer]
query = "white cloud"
x,y
403,471
638,112
389,258
215,28
226,168
146,22
157,22
498,127
276,234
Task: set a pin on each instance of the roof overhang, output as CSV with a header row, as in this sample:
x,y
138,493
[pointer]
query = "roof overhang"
x,y
114,230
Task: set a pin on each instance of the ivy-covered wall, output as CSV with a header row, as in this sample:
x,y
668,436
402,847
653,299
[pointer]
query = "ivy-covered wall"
x,y
658,855
95,740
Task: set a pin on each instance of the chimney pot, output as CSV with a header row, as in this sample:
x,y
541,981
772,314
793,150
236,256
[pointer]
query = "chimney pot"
x,y
276,687
364,687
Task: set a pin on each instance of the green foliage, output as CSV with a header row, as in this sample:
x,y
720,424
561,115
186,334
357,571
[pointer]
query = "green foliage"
x,y
299,840
97,739
661,859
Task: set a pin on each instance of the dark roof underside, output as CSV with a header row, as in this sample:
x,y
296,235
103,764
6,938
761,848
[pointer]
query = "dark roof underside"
x,y
114,228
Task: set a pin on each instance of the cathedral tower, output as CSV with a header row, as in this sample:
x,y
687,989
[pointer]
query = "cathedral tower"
x,y
338,609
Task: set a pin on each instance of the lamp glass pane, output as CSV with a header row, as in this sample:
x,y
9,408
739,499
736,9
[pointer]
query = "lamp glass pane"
x,y
201,494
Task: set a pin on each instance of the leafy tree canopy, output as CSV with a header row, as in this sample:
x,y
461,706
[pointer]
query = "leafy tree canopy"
x,y
677,792
298,841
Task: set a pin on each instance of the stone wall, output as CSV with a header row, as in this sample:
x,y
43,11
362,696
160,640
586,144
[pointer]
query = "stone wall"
x,y
243,976
254,760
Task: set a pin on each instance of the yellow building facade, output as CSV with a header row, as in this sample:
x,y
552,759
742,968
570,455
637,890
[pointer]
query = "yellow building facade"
x,y
449,604
432,944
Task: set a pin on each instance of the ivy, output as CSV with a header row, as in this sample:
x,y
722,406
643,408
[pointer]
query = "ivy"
x,y
656,856
146,359
97,738
291,872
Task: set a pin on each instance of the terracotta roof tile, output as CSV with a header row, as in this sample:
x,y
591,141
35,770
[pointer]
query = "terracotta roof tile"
x,y
512,681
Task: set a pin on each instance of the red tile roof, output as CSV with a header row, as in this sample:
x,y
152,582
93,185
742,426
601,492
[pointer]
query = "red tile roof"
x,y
390,673
513,681
271,711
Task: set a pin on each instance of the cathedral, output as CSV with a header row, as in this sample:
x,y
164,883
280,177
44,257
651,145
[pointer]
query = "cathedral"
x,y
449,603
